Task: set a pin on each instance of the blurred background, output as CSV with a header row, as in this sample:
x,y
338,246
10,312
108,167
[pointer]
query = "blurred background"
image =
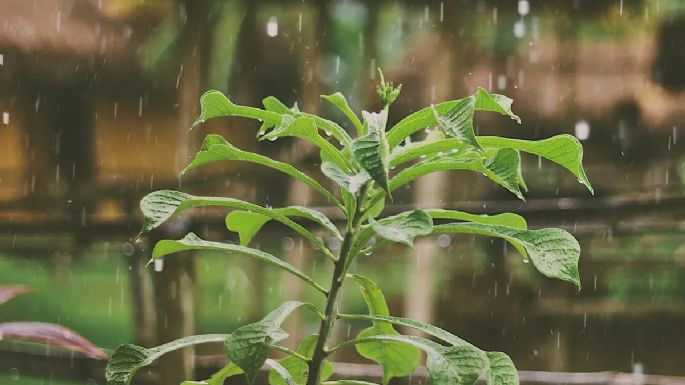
x,y
97,97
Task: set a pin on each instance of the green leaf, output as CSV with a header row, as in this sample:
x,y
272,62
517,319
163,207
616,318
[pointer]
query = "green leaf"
x,y
397,359
351,183
403,227
215,104
248,345
283,372
127,359
337,99
458,121
193,242
159,206
371,152
410,323
554,252
327,126
375,209
247,224
501,370
501,167
447,365
425,117
215,148
486,101
504,219
564,150
219,377
350,206
299,369
305,128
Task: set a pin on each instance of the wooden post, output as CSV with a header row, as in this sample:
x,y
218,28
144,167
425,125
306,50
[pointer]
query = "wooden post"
x,y
175,284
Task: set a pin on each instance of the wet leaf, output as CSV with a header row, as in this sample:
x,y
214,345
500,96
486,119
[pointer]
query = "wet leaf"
x,y
424,118
248,224
337,99
247,347
564,150
447,365
305,128
501,370
501,166
372,156
128,359
193,242
161,205
329,127
504,219
554,252
403,228
458,121
397,359
215,148
351,183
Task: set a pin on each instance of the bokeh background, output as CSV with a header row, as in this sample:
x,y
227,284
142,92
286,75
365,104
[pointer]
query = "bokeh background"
x,y
97,97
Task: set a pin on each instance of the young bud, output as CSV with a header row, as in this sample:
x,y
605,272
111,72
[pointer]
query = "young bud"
x,y
386,91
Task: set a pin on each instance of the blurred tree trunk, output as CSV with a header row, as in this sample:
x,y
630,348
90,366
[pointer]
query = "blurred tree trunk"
x,y
143,293
430,189
175,285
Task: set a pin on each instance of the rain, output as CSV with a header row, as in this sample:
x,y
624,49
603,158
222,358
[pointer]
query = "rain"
x,y
97,101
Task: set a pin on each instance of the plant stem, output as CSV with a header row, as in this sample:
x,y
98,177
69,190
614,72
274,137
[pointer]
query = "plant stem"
x,y
331,312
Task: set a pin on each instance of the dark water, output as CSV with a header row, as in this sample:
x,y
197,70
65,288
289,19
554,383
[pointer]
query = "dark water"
x,y
96,99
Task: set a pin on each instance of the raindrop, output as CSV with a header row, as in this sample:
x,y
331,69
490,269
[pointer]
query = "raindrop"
x,y
5,118
59,21
140,106
272,27
523,7
582,129
2,59
444,240
442,11
501,82
519,29
337,64
128,249
159,265
620,8
299,22
287,243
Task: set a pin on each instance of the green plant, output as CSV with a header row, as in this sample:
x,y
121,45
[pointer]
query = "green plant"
x,y
361,168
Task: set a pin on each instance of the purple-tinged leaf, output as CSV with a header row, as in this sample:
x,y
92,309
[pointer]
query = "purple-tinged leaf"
x,y
50,334
11,291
